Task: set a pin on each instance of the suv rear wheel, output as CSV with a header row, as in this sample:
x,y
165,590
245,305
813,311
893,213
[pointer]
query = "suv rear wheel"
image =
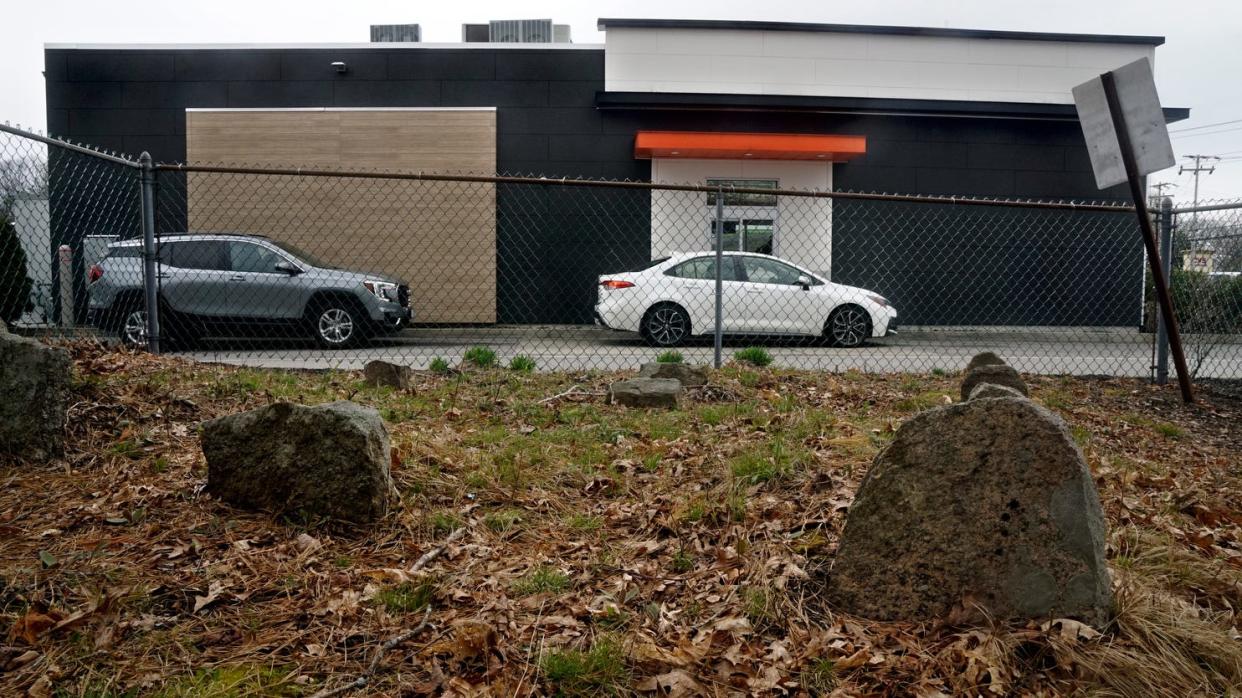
x,y
335,323
132,327
177,332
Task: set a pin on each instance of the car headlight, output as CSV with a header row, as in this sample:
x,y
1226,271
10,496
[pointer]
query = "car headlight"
x,y
878,300
382,290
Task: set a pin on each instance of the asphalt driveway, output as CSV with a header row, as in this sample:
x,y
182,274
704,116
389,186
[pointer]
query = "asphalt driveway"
x,y
1079,351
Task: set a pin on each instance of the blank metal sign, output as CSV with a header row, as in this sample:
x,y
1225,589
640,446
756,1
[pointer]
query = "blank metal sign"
x,y
1136,91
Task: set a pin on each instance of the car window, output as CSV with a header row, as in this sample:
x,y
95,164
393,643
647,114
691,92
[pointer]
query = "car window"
x,y
249,257
124,251
194,254
761,270
704,268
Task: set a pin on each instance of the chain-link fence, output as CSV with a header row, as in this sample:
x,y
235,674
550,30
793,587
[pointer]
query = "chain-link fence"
x,y
1205,278
299,268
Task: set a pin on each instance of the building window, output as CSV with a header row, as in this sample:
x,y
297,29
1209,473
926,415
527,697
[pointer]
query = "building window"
x,y
737,198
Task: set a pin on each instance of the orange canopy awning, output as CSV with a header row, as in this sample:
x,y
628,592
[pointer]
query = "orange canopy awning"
x,y
743,146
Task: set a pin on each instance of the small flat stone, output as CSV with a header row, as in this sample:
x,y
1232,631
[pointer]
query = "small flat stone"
x,y
383,373
689,375
646,392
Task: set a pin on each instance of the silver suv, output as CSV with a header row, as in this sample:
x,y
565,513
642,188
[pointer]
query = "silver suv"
x,y
242,286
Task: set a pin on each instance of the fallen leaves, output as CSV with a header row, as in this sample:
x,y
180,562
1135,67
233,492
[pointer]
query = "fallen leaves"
x,y
214,591
673,684
709,588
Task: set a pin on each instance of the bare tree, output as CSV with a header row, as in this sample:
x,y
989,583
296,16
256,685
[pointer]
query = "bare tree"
x,y
22,177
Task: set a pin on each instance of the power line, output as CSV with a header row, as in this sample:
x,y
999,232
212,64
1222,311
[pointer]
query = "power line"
x,y
1196,128
1205,133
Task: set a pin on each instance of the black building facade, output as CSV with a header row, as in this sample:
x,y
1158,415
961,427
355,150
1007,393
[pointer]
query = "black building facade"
x,y
560,113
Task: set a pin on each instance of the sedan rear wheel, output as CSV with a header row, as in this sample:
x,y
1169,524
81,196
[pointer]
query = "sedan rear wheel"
x,y
848,326
666,325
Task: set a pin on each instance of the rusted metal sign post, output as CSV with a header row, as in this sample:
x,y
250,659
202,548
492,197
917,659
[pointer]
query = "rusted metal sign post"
x,y
1127,138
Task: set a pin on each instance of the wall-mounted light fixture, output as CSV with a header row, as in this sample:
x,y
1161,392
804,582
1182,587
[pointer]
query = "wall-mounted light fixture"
x,y
340,66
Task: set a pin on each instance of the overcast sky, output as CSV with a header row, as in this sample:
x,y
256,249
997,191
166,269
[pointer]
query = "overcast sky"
x,y
1200,65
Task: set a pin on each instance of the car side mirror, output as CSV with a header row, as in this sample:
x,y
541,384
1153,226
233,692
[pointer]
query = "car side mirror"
x,y
289,268
805,282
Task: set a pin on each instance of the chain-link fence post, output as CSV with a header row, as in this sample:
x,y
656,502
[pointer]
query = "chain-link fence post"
x,y
719,333
1166,263
149,253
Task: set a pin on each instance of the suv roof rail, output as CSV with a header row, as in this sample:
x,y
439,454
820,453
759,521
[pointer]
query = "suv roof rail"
x,y
209,233
182,233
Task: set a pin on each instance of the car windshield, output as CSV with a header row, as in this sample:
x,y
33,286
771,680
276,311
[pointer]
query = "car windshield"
x,y
303,255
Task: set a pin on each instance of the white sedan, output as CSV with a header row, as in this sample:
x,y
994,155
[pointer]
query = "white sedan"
x,y
673,298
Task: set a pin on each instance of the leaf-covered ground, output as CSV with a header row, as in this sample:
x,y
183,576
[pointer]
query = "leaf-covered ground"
x,y
565,546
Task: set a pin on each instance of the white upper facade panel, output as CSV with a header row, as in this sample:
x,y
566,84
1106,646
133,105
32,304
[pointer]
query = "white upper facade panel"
x,y
875,62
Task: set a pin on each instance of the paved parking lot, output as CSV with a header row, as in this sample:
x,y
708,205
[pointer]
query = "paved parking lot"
x,y
1081,351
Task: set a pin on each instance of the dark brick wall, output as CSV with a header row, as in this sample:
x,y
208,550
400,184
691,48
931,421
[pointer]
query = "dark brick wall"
x,y
551,248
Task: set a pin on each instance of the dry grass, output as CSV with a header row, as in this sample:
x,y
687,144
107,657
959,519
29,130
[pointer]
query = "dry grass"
x,y
1159,644
579,547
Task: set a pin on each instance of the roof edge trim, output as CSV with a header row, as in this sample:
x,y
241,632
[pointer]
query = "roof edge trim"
x,y
748,25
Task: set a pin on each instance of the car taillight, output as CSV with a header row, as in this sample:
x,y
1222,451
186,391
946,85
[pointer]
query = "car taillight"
x,y
95,274
615,284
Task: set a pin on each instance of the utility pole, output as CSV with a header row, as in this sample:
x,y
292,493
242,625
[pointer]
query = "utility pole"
x,y
1194,220
1159,195
1199,159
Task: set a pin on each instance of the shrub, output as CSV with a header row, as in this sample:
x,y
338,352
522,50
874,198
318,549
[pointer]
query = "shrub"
x,y
439,365
522,364
1206,304
671,357
755,356
15,285
483,357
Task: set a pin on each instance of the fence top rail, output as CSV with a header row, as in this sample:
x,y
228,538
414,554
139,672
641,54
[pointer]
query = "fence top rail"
x,y
1209,207
651,186
66,145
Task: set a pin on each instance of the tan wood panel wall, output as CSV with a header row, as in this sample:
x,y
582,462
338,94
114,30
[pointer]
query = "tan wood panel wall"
x,y
440,237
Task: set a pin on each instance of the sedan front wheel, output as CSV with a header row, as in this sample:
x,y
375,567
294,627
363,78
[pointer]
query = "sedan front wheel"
x,y
848,326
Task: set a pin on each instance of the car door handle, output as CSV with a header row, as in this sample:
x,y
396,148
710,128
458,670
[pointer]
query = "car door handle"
x,y
238,277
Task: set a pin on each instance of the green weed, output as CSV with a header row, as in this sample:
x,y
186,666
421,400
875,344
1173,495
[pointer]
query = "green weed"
x,y
541,579
501,521
407,597
445,522
671,357
600,670
755,356
482,357
522,364
231,682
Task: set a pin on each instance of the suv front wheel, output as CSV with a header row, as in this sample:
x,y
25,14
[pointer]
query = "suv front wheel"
x,y
335,324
